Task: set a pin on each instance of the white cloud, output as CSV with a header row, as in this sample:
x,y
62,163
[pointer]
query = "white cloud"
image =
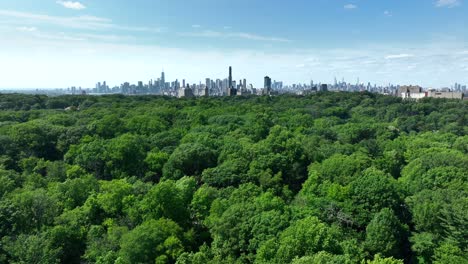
x,y
399,56
27,29
77,22
240,35
196,26
350,6
55,64
71,5
75,58
257,37
448,3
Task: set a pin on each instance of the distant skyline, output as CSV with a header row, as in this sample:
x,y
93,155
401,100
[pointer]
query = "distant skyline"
x,y
57,44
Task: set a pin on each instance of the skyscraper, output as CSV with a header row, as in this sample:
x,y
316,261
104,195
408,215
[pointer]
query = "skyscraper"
x,y
206,91
324,88
162,84
267,85
230,77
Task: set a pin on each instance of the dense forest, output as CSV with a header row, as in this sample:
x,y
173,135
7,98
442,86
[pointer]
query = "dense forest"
x,y
326,178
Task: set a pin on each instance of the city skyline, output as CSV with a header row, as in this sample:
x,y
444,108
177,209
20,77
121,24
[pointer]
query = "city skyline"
x,y
58,44
230,87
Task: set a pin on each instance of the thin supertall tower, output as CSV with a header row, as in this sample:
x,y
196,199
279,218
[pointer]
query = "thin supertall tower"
x,y
230,77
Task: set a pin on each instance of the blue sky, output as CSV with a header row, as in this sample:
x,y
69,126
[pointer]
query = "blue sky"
x,y
50,43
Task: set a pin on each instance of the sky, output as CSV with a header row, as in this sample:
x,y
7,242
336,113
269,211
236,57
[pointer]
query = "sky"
x,y
58,44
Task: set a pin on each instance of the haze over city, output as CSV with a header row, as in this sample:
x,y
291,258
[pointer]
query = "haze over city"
x,y
57,44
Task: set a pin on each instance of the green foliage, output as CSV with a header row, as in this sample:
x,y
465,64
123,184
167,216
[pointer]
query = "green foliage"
x,y
241,222
169,200
372,192
448,253
386,235
305,237
326,178
379,260
189,160
31,249
150,242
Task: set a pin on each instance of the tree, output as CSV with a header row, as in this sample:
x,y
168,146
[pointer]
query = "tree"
x,y
378,259
169,201
35,249
74,192
340,168
37,138
240,223
189,160
372,192
386,235
305,237
108,126
36,209
111,196
448,253
126,155
152,240
91,155
155,161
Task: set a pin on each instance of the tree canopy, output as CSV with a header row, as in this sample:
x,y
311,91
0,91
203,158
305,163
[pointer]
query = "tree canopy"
x,y
324,178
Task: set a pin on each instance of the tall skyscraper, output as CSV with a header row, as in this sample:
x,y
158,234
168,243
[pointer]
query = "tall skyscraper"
x,y
324,88
230,78
267,85
162,84
206,91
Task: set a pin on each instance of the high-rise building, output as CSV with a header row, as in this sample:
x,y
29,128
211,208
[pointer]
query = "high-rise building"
x,y
206,91
208,83
140,86
267,83
230,78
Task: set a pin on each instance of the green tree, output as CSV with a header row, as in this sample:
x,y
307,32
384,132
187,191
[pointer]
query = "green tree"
x,y
372,192
305,237
189,160
34,249
169,200
386,235
150,241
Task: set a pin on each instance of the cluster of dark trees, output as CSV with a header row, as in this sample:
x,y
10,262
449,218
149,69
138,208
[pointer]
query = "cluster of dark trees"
x,y
327,178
